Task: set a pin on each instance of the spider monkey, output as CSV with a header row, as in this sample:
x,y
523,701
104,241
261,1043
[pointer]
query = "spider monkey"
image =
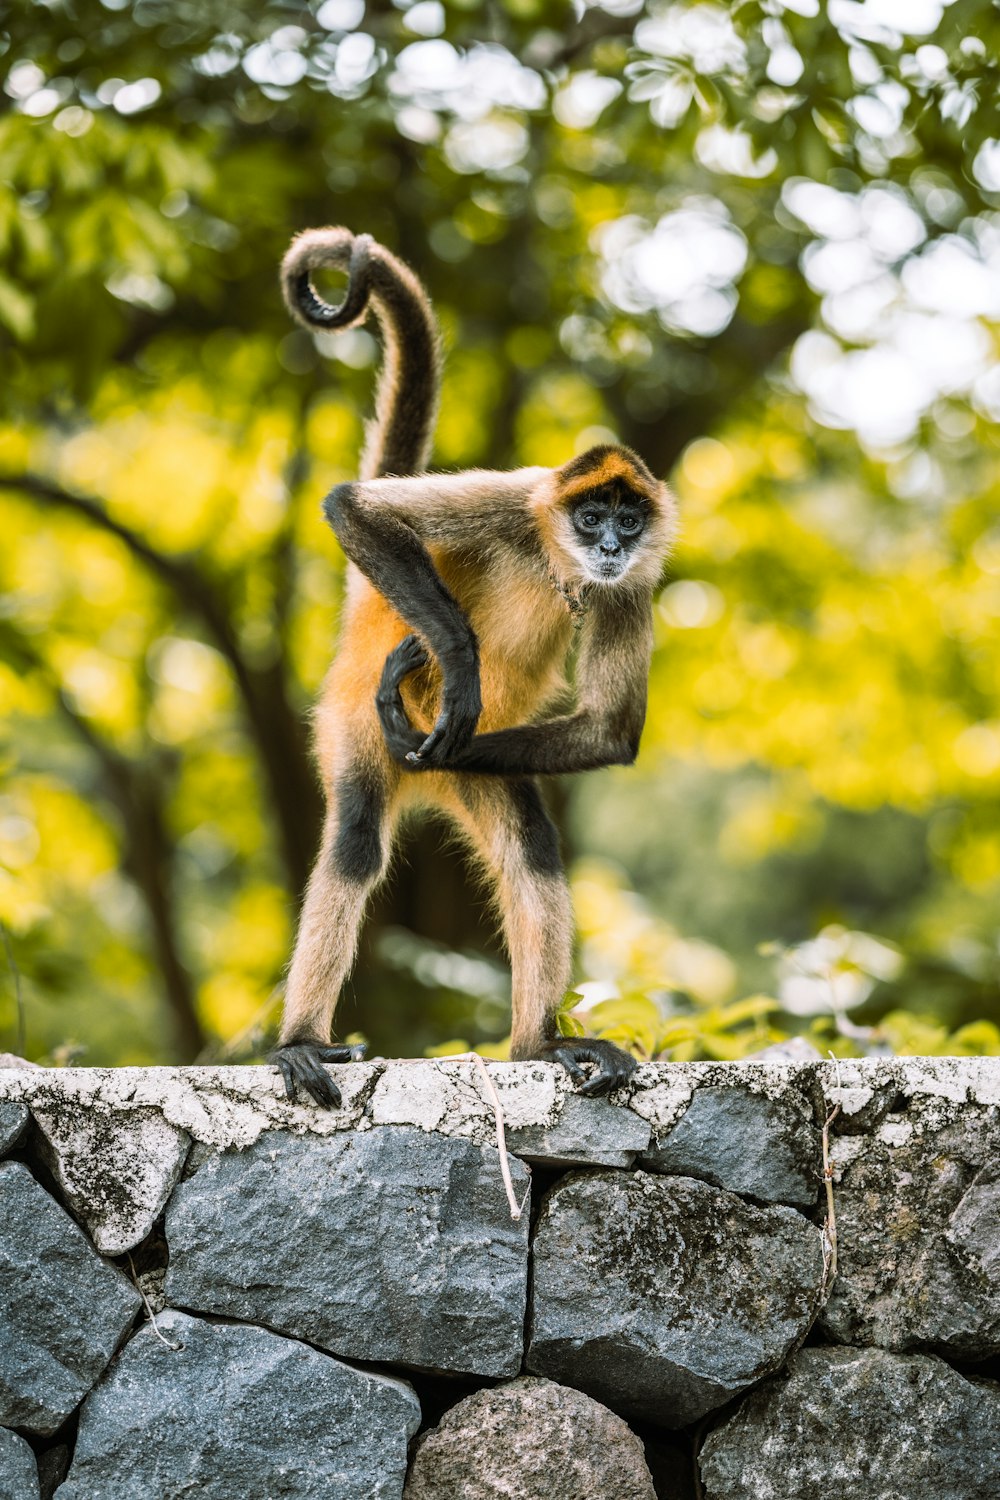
x,y
462,595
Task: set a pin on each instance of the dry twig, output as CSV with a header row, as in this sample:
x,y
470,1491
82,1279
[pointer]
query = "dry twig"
x,y
174,1348
830,1224
516,1209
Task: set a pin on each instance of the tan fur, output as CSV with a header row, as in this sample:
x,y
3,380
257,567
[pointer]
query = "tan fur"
x,y
504,546
535,910
524,630
327,940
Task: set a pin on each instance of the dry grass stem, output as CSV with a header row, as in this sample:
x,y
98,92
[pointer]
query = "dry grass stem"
x,y
516,1209
174,1348
830,1224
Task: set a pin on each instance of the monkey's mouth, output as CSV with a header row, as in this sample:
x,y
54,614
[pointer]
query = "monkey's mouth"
x,y
607,571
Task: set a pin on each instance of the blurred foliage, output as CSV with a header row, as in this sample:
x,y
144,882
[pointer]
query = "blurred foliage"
x,y
757,242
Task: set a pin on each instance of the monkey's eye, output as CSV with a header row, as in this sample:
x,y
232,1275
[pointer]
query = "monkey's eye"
x,y
591,519
628,523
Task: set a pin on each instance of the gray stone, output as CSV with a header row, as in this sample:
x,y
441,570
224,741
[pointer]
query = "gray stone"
x,y
13,1123
63,1311
529,1440
222,1106
587,1132
859,1422
385,1245
116,1168
449,1096
918,1230
18,1470
664,1297
239,1412
768,1148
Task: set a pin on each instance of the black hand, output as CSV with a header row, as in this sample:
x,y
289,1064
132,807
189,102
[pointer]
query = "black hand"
x,y
400,736
614,1067
460,709
461,705
300,1065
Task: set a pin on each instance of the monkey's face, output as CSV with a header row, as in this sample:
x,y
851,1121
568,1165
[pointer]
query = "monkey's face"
x,y
608,524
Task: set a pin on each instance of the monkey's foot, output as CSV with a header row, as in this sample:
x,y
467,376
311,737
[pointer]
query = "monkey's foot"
x,y
301,1066
614,1067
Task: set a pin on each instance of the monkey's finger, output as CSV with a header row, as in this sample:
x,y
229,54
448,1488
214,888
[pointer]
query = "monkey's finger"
x,y
300,1068
430,744
342,1052
288,1077
412,650
320,1086
567,1058
406,658
598,1083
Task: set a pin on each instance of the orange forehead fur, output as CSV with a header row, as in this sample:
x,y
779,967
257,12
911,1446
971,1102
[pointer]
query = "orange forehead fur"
x,y
611,466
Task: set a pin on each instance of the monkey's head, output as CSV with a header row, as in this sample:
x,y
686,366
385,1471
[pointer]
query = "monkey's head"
x,y
605,518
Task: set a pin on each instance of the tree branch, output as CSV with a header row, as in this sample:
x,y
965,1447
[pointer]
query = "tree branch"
x,y
146,850
276,729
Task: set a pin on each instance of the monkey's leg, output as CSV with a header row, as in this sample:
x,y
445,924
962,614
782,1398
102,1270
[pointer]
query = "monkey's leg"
x,y
518,843
351,862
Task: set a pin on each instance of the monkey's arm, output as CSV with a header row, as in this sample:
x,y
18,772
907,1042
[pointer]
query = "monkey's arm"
x,y
383,524
612,675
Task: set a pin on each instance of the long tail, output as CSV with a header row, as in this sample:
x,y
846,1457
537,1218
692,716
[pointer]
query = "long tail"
x,y
398,440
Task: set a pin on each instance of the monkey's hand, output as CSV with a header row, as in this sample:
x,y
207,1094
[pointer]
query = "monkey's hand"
x,y
456,723
401,737
301,1066
614,1067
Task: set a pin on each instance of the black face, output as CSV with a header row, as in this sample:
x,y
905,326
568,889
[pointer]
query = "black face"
x,y
608,523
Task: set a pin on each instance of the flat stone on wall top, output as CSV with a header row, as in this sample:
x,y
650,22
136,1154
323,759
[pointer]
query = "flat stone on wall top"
x,y
385,1245
587,1132
230,1107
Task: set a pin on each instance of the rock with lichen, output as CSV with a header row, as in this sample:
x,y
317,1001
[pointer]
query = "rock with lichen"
x,y
229,1411
529,1440
859,1422
664,1297
63,1310
918,1228
116,1168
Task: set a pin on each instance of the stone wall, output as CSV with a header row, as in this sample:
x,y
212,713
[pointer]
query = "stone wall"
x,y
206,1290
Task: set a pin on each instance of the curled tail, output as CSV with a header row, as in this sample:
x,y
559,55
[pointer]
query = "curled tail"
x,y
398,440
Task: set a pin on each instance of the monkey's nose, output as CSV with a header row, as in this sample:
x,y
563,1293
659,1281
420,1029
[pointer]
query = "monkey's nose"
x,y
611,549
